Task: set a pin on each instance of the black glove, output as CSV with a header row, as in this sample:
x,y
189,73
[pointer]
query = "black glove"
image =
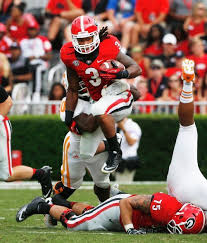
x,y
136,232
68,117
122,74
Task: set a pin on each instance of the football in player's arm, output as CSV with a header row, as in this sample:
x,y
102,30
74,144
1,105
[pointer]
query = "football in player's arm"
x,y
83,56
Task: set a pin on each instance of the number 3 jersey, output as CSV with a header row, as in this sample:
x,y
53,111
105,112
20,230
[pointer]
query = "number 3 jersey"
x,y
88,71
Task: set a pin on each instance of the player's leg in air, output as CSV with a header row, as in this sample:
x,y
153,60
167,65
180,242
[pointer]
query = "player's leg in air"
x,y
21,172
184,180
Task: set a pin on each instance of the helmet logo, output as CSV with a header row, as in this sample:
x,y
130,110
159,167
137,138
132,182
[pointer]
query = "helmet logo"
x,y
190,223
76,63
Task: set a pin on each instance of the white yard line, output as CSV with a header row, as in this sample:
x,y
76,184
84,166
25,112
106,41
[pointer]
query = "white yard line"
x,y
61,232
33,185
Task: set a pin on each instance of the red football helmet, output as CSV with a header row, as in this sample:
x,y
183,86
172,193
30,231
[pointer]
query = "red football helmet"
x,y
188,220
83,27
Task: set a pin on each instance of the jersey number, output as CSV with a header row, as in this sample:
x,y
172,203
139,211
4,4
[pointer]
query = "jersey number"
x,y
157,206
96,80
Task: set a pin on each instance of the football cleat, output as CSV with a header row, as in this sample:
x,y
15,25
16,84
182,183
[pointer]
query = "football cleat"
x,y
29,209
188,73
112,163
45,181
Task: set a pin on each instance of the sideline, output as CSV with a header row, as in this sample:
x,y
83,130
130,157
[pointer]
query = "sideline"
x,y
87,185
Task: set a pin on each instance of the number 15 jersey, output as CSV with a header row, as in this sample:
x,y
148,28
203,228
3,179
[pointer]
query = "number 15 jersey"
x,y
89,71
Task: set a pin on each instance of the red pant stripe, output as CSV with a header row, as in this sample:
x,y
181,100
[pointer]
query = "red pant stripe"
x,y
8,146
71,224
119,101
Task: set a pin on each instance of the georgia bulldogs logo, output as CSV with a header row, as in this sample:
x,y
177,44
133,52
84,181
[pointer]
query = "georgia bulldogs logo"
x,y
190,223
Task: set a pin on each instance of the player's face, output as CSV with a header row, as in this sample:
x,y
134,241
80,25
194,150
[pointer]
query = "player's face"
x,y
85,41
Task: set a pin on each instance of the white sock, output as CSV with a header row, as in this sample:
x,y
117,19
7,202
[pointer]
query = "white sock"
x,y
187,92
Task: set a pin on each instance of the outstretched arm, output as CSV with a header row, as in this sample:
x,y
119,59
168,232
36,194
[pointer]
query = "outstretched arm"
x,y
140,202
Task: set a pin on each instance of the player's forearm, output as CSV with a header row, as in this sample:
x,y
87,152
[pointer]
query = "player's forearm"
x,y
134,70
126,212
71,100
132,67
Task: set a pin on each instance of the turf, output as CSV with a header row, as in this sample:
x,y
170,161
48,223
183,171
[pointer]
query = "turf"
x,y
34,230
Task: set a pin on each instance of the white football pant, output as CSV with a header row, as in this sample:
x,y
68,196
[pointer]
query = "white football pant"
x,y
184,179
5,148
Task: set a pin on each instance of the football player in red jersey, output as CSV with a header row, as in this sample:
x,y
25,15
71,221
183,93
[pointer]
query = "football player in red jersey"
x,y
134,214
90,48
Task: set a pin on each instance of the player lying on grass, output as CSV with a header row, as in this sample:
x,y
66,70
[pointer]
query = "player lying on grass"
x,y
185,180
83,57
21,172
134,214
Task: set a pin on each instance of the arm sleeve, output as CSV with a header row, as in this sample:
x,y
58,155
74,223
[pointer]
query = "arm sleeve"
x,y
3,94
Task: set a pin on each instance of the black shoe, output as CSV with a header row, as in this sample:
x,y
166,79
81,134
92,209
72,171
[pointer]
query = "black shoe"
x,y
45,181
29,209
112,162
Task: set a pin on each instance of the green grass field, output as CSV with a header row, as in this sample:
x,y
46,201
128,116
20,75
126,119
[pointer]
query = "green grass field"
x,y
34,230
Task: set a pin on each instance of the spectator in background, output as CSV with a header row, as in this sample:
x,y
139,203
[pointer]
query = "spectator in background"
x,y
142,87
57,92
173,90
149,13
180,10
169,43
97,9
198,56
5,8
153,46
61,13
177,70
195,25
17,24
22,74
158,82
5,41
182,38
37,49
131,135
5,74
121,15
144,63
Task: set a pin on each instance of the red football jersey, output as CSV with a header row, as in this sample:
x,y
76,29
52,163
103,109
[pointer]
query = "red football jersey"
x,y
163,207
89,73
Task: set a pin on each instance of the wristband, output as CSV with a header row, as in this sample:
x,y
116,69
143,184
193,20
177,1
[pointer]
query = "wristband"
x,y
128,226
